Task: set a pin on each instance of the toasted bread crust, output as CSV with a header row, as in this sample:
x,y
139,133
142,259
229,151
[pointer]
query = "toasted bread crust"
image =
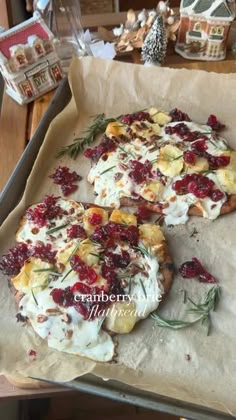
x,y
228,207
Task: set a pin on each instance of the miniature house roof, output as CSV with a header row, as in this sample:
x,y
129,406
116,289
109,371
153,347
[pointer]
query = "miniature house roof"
x,y
209,8
20,34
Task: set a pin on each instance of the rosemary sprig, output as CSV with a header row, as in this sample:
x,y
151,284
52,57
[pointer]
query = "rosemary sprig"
x,y
66,275
142,248
107,170
42,270
53,230
74,251
143,287
36,302
171,159
98,126
201,310
127,152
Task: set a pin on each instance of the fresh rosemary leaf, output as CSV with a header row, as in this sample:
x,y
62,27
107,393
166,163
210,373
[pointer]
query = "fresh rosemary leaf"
x,y
42,270
95,255
36,302
201,310
74,251
127,152
98,126
173,324
53,230
143,287
143,250
66,275
171,159
108,169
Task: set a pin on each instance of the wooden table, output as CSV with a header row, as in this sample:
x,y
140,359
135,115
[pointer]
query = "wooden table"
x,y
18,123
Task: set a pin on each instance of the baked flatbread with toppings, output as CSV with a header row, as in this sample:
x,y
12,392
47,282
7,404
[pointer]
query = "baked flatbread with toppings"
x,y
82,273
167,163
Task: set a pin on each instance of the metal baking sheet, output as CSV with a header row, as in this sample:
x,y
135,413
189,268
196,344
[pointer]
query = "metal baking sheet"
x,y
89,383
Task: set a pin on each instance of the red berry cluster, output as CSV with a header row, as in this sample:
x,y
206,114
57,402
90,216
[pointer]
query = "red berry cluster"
x,y
184,132
76,231
66,179
107,145
194,268
12,262
178,115
199,185
143,214
45,211
214,123
137,116
215,162
85,272
140,172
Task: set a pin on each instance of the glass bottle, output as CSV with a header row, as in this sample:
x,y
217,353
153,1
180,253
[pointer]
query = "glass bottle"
x,y
63,18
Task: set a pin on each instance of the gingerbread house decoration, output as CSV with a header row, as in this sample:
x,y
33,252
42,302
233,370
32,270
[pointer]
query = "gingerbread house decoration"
x,y
28,60
204,28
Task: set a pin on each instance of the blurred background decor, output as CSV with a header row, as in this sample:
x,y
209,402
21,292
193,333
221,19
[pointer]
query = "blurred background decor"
x,y
135,31
204,28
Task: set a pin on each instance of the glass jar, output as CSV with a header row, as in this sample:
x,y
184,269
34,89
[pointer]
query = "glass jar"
x,y
63,19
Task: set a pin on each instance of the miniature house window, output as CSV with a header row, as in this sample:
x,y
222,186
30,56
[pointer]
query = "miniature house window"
x,y
197,27
18,55
36,44
213,30
220,30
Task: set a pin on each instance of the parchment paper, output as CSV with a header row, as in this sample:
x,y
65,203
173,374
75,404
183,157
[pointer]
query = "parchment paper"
x,y
150,358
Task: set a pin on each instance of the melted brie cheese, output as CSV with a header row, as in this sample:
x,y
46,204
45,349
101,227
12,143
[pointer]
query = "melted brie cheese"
x,y
109,191
32,233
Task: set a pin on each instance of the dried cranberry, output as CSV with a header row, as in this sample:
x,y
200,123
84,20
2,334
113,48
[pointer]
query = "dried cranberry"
x,y
143,214
189,157
199,147
200,191
189,269
216,195
108,272
85,272
62,175
32,353
140,171
197,184
58,296
81,288
137,116
44,252
216,162
95,219
107,145
194,268
68,189
207,278
214,123
180,187
63,297
178,115
117,260
76,231
12,262
45,211
123,232
100,234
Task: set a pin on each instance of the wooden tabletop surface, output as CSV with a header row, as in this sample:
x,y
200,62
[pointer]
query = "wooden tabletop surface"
x,y
18,124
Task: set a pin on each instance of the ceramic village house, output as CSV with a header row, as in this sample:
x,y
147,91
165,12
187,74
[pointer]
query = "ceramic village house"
x,y
28,60
204,28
